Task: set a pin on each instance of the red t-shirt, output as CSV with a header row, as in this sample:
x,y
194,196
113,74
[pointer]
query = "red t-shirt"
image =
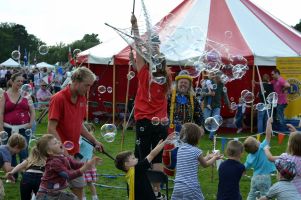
x,y
153,105
70,116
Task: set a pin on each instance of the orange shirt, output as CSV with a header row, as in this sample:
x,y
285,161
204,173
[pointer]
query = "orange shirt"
x,y
153,105
69,116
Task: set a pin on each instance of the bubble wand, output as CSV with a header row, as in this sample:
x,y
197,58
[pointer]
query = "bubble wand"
x,y
262,89
103,151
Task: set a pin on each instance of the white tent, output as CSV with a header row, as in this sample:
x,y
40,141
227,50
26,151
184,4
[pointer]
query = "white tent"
x,y
10,63
44,64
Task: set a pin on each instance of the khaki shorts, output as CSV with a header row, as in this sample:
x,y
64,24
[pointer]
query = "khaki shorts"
x,y
56,196
78,182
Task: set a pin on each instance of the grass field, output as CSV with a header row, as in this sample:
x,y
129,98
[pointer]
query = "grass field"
x,y
209,186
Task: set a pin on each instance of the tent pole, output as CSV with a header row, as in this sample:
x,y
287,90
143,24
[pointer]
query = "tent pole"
x,y
126,108
114,89
252,110
88,92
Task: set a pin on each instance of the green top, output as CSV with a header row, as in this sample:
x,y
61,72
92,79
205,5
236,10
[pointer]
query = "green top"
x,y
216,99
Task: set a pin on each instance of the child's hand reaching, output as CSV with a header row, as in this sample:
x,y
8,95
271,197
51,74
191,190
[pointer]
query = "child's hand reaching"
x,y
10,176
291,128
90,164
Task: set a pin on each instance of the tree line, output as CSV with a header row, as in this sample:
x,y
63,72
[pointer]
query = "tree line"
x,y
14,35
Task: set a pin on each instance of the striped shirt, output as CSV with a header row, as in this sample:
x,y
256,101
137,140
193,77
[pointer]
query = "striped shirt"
x,y
186,182
297,160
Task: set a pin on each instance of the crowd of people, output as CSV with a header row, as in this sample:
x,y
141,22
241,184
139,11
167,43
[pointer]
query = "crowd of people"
x,y
49,168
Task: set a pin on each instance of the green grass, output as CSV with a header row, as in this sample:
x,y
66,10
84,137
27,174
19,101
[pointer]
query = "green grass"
x,y
209,187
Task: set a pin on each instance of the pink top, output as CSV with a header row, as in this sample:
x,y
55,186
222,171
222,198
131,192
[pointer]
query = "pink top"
x,y
278,86
297,160
16,114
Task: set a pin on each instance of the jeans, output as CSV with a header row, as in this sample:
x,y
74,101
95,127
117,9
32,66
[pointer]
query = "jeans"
x,y
261,184
30,182
239,120
280,116
262,118
211,113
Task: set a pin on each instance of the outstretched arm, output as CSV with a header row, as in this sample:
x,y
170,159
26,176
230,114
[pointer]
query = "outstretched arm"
x,y
268,130
139,59
269,154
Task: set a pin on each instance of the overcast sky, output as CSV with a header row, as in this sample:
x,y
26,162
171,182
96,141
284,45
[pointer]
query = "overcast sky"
x,y
55,21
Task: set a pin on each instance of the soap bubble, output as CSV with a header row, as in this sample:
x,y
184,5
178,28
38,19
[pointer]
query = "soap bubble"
x,y
130,75
3,135
109,90
218,119
26,91
16,55
108,128
260,107
272,98
248,97
101,89
109,137
233,106
155,121
211,124
161,80
28,132
96,120
43,49
164,121
76,51
68,145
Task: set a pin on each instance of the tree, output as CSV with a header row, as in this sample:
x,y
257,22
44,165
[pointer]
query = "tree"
x,y
298,26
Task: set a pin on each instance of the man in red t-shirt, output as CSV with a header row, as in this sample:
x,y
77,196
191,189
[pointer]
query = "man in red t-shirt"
x,y
150,101
67,111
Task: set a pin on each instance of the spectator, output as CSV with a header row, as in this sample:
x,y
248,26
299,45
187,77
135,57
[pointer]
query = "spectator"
x,y
280,86
43,95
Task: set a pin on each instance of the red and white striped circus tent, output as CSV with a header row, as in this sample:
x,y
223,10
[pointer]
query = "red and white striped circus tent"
x,y
233,27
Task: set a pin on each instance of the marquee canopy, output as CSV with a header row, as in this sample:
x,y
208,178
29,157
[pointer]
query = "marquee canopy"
x,y
232,27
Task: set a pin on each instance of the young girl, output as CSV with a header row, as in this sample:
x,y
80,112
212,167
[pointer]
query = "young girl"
x,y
188,158
33,168
239,115
86,150
59,169
293,152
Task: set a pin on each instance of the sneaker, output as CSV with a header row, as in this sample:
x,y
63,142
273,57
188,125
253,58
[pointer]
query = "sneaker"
x,y
161,196
239,130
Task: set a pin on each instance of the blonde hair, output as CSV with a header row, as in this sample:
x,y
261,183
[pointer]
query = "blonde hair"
x,y
35,158
43,144
294,143
17,140
81,74
234,148
251,145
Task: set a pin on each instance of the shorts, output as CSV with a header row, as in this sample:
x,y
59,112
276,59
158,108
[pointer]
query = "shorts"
x,y
78,182
91,176
149,135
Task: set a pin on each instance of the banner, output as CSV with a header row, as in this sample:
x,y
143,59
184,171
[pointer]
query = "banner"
x,y
290,69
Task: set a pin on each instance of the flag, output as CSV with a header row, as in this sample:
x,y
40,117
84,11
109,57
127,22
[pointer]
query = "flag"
x,y
280,138
25,58
71,60
224,141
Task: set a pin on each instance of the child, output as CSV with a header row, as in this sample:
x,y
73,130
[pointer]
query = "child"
x,y
86,150
139,185
33,168
293,152
208,86
230,172
239,115
188,158
58,170
15,144
283,189
256,159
